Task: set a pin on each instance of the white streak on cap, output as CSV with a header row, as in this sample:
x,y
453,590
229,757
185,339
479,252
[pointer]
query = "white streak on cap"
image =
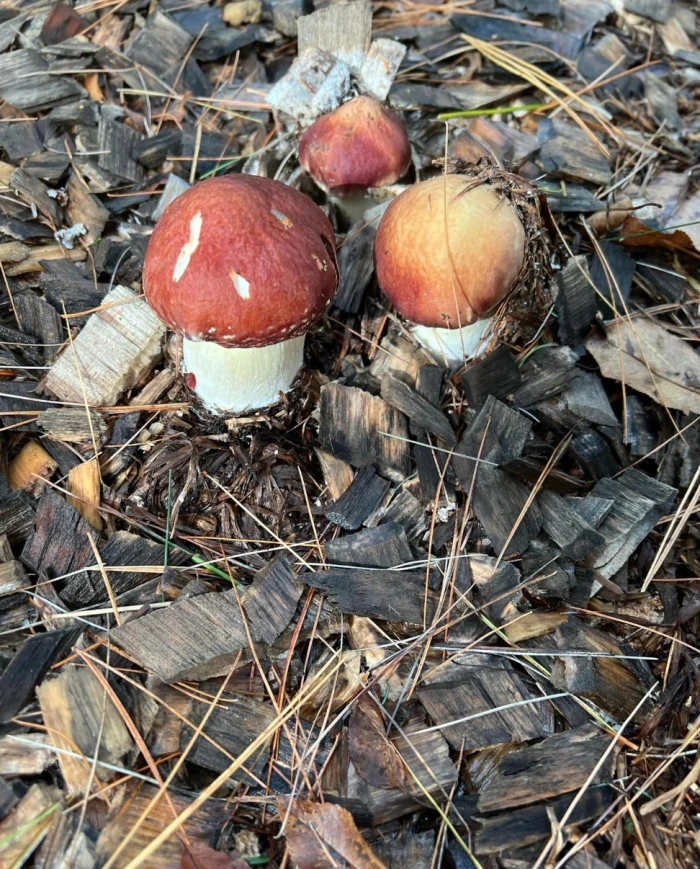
x,y
241,284
189,247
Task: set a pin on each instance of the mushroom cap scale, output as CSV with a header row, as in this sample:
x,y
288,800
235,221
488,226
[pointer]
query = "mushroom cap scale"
x,y
447,252
242,261
357,146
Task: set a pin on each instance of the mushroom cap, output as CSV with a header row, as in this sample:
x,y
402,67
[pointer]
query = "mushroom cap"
x,y
242,261
446,254
357,146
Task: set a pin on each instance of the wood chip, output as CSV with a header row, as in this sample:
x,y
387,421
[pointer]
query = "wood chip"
x,y
496,374
420,412
19,758
361,498
28,667
201,637
27,824
126,816
615,684
58,544
130,336
393,595
555,766
337,474
521,827
384,546
72,425
31,468
479,683
498,497
355,426
81,716
26,84
85,485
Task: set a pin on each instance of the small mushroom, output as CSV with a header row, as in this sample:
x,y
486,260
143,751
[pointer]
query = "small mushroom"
x,y
447,251
241,267
359,145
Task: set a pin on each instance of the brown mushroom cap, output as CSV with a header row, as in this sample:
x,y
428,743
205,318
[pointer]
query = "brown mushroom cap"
x,y
357,146
242,261
446,254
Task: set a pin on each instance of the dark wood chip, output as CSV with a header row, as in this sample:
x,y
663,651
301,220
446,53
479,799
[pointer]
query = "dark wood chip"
x,y
29,666
575,302
566,527
383,546
361,498
362,429
521,827
393,595
419,410
496,374
557,765
479,683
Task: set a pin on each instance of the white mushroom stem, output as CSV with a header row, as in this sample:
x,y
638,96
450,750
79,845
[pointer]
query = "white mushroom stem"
x,y
453,347
231,380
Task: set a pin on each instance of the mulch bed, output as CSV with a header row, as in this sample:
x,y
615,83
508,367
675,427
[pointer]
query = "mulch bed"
x,y
408,616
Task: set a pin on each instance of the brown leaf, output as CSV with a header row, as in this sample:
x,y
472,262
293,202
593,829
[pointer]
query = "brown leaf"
x,y
203,857
636,233
324,836
374,755
651,360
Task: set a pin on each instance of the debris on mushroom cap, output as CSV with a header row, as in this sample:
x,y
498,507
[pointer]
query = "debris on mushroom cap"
x,y
448,250
242,261
357,146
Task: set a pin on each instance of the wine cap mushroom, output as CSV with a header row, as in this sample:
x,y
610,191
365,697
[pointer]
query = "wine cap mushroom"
x,y
359,145
447,251
241,267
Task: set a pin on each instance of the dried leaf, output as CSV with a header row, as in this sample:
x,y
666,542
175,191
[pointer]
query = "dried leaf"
x,y
637,233
202,857
647,358
374,755
324,836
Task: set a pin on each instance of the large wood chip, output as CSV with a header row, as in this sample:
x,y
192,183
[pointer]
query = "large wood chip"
x,y
111,354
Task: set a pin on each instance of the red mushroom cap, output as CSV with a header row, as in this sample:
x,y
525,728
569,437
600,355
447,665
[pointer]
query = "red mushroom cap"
x,y
357,146
447,252
242,261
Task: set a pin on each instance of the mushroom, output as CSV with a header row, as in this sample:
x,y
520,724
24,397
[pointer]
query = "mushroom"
x,y
447,251
241,267
359,145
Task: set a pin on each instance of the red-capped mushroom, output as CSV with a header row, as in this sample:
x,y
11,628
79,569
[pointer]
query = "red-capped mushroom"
x,y
241,266
359,145
447,251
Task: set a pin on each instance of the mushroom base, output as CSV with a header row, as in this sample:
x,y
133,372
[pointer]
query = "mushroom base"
x,y
453,347
234,379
